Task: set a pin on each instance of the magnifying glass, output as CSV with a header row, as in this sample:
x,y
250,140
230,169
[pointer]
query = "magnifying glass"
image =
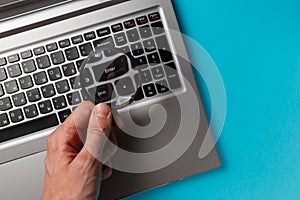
x,y
110,75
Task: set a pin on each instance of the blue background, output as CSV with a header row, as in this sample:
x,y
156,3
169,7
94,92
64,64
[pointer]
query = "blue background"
x,y
256,46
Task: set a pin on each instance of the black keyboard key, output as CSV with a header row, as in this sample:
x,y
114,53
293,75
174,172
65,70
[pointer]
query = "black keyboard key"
x,y
103,32
63,115
117,27
125,86
28,66
45,107
69,69
1,91
157,28
11,87
4,121
75,82
2,61
142,20
14,70
39,51
137,49
145,31
54,74
172,76
19,99
64,43
149,45
25,82
153,59
129,24
77,39
133,35
85,49
40,78
5,104
48,91
26,54
104,43
158,72
57,58
13,58
3,75
102,93
120,39
62,86
164,48
145,76
31,111
141,62
51,47
72,53
110,70
33,95
89,36
154,17
59,102
162,86
28,127
16,116
43,62
149,90
74,98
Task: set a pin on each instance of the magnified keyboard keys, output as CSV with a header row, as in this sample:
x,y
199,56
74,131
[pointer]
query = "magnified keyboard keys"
x,y
45,107
31,111
158,72
133,35
16,116
149,90
72,53
59,102
5,104
57,58
153,59
110,70
154,16
28,66
120,39
25,82
149,45
43,62
124,86
14,70
157,28
164,48
172,76
104,43
19,99
33,95
102,93
145,76
145,31
4,120
162,86
11,87
3,75
137,49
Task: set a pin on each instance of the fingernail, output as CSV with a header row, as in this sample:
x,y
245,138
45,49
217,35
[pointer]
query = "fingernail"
x,y
102,110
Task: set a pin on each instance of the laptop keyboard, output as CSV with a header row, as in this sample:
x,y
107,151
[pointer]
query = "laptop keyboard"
x,y
40,87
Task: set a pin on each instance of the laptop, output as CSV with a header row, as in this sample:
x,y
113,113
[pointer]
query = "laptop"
x,y
43,45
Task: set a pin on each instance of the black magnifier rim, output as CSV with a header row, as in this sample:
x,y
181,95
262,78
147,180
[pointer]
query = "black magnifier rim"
x,y
133,64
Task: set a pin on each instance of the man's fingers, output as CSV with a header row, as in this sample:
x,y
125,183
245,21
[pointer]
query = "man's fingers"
x,y
97,133
67,133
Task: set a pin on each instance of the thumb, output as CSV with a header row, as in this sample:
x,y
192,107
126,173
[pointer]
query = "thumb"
x,y
97,132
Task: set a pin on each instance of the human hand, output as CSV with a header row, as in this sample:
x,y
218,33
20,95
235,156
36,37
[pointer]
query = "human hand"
x,y
73,170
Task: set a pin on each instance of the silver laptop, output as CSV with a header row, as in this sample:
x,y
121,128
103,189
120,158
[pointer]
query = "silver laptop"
x,y
43,45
